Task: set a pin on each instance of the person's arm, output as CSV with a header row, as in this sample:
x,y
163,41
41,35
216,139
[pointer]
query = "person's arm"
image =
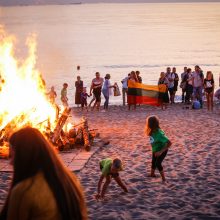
x,y
91,88
168,144
120,183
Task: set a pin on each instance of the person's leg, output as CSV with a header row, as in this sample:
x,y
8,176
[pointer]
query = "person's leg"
x,y
211,101
207,99
123,95
93,99
183,91
200,95
107,102
187,97
159,164
105,186
153,166
82,105
194,93
169,95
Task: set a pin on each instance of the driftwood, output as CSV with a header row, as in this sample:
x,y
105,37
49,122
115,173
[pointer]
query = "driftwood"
x,y
61,122
78,134
85,132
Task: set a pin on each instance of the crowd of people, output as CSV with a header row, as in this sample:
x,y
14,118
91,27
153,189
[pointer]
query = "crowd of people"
x,y
194,86
37,166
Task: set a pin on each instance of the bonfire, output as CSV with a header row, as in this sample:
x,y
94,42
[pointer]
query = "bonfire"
x,y
23,100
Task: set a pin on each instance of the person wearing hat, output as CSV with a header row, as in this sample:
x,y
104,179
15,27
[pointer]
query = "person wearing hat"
x,y
110,168
106,90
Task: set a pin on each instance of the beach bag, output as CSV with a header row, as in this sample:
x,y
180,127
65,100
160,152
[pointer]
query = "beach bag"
x,y
116,90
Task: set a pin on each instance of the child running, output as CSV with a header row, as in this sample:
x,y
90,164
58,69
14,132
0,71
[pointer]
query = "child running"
x,y
160,144
110,169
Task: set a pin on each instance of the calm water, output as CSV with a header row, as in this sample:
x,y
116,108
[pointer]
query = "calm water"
x,y
117,38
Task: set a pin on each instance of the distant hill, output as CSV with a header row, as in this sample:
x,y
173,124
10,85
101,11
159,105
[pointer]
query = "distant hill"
x,y
50,2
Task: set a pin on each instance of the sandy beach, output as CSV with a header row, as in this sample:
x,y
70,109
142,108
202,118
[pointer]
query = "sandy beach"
x,y
192,166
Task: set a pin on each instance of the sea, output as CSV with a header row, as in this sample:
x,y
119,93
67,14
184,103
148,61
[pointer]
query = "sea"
x,y
116,39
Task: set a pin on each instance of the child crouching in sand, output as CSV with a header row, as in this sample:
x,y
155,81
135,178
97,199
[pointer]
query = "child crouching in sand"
x,y
110,169
160,144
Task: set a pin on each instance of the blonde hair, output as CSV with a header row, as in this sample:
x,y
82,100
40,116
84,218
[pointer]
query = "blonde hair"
x,y
152,125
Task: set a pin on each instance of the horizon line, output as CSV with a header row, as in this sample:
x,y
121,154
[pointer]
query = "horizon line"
x,y
85,3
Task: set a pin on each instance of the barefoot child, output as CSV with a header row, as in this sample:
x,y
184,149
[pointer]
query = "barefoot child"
x,y
84,96
160,144
110,169
64,98
52,95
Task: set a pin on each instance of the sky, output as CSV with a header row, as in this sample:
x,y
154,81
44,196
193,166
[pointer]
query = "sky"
x,y
30,2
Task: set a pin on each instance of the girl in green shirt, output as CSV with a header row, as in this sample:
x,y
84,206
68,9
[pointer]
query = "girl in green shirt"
x,y
160,144
110,169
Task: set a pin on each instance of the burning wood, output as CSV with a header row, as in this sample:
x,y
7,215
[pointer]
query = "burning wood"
x,y
79,134
61,122
30,105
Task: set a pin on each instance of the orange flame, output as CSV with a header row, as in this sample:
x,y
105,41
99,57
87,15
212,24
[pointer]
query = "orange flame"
x,y
22,91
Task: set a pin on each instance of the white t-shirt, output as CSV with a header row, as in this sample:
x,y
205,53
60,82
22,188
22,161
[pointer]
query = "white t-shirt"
x,y
125,83
197,79
105,89
170,77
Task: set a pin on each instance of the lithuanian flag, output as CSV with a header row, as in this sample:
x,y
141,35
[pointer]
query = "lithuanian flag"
x,y
139,93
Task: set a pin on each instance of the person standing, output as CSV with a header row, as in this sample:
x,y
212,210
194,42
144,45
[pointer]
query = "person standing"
x,y
189,86
198,79
163,97
209,86
84,96
79,89
125,88
183,83
96,88
106,90
176,82
64,98
170,76
138,76
52,95
132,98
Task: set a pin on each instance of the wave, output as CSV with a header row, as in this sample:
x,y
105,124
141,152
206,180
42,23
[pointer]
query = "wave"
x,y
156,65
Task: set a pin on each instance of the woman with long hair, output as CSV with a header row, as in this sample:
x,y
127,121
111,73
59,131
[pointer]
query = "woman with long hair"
x,y
209,86
131,99
42,188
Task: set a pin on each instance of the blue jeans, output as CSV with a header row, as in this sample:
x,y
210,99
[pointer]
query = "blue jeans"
x,y
197,94
106,102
